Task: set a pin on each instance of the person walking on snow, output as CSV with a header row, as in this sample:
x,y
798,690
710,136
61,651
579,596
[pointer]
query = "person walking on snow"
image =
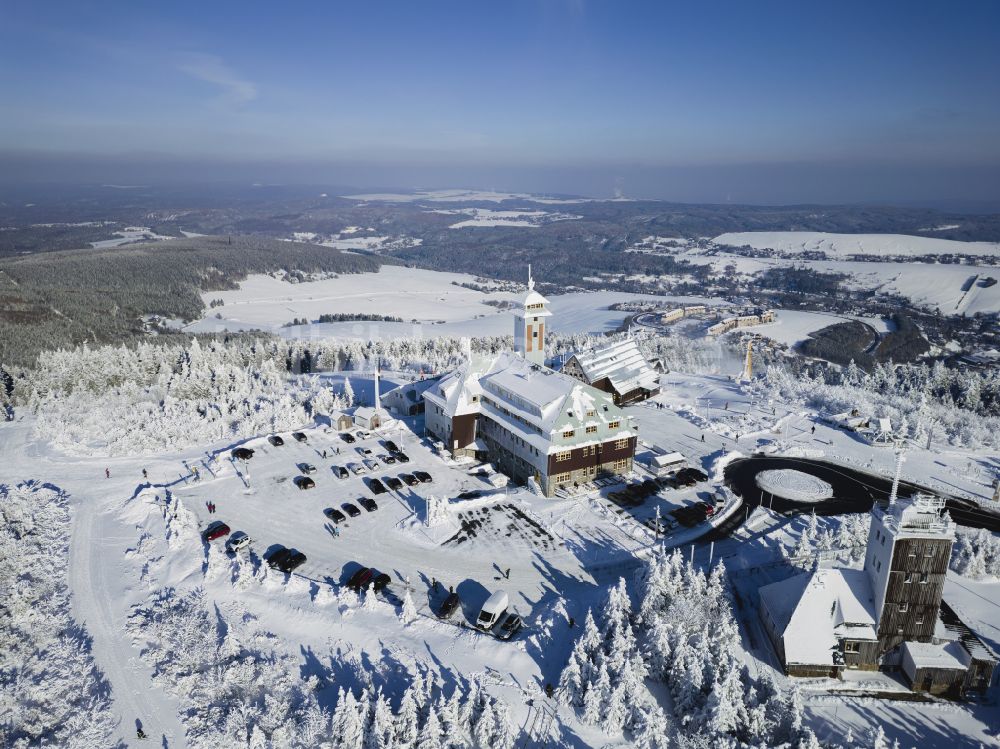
x,y
107,473
144,474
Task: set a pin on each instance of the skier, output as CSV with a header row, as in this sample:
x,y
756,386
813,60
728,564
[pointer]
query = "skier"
x,y
572,621
703,438
107,473
144,474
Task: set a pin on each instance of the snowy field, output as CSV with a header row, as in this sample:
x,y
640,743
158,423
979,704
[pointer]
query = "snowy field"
x,y
488,217
844,245
462,196
430,298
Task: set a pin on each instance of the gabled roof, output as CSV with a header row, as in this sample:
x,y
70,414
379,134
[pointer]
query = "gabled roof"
x,y
621,362
814,610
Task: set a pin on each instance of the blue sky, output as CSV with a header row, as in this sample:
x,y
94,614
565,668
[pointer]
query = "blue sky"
x,y
604,87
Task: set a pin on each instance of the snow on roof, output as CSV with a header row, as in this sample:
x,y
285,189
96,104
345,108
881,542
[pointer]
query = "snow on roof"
x,y
949,655
667,460
814,610
621,362
921,516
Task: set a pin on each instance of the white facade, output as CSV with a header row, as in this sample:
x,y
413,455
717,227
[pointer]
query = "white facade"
x,y
529,324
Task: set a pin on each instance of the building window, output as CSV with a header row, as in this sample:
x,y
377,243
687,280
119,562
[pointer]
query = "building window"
x,y
929,551
851,647
614,424
569,433
591,430
908,578
903,607
920,619
563,456
923,577
621,465
591,413
560,477
621,444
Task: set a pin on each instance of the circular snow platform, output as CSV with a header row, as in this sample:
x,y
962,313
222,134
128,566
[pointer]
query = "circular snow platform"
x,y
793,485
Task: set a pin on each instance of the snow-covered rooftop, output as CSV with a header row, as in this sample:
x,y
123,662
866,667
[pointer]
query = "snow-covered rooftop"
x,y
944,655
621,362
814,610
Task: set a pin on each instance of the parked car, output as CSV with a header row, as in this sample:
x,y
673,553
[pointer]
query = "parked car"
x,y
368,503
423,477
278,557
335,515
292,561
347,437
307,468
357,468
340,472
363,435
391,446
493,610
366,576
242,453
237,541
387,459
218,529
393,483
472,494
409,479
371,465
350,509
304,482
449,606
402,458
362,450
299,437
509,626
376,486
275,440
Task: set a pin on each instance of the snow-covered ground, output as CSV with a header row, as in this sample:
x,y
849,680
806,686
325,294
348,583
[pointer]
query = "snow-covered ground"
x,y
555,558
128,235
429,301
844,245
488,217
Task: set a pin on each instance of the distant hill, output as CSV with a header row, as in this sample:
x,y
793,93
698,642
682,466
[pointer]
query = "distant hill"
x,y
59,299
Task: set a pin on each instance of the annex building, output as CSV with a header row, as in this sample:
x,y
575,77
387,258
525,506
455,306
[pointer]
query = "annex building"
x,y
618,368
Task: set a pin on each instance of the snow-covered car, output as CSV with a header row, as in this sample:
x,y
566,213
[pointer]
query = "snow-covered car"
x,y
275,440
387,459
493,610
218,529
238,541
362,450
363,435
277,557
509,627
340,472
409,479
307,468
357,468
299,437
376,486
347,437
371,465
335,515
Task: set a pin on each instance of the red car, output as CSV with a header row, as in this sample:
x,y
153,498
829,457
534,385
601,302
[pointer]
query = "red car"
x,y
218,529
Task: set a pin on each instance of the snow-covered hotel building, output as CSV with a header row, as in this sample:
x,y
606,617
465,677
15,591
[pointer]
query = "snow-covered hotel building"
x,y
533,422
889,614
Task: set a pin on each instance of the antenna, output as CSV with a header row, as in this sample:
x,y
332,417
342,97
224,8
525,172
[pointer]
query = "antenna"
x,y
531,281
900,457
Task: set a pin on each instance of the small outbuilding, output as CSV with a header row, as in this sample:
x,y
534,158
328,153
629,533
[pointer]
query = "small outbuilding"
x,y
367,417
665,465
343,423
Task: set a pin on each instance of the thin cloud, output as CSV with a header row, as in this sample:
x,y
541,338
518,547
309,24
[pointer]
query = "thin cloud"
x,y
211,69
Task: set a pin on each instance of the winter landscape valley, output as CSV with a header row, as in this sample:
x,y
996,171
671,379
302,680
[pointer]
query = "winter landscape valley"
x,y
474,376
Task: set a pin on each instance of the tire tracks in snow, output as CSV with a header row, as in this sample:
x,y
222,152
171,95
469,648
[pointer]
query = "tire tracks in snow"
x,y
133,692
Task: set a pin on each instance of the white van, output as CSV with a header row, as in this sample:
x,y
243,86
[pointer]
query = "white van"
x,y
493,610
